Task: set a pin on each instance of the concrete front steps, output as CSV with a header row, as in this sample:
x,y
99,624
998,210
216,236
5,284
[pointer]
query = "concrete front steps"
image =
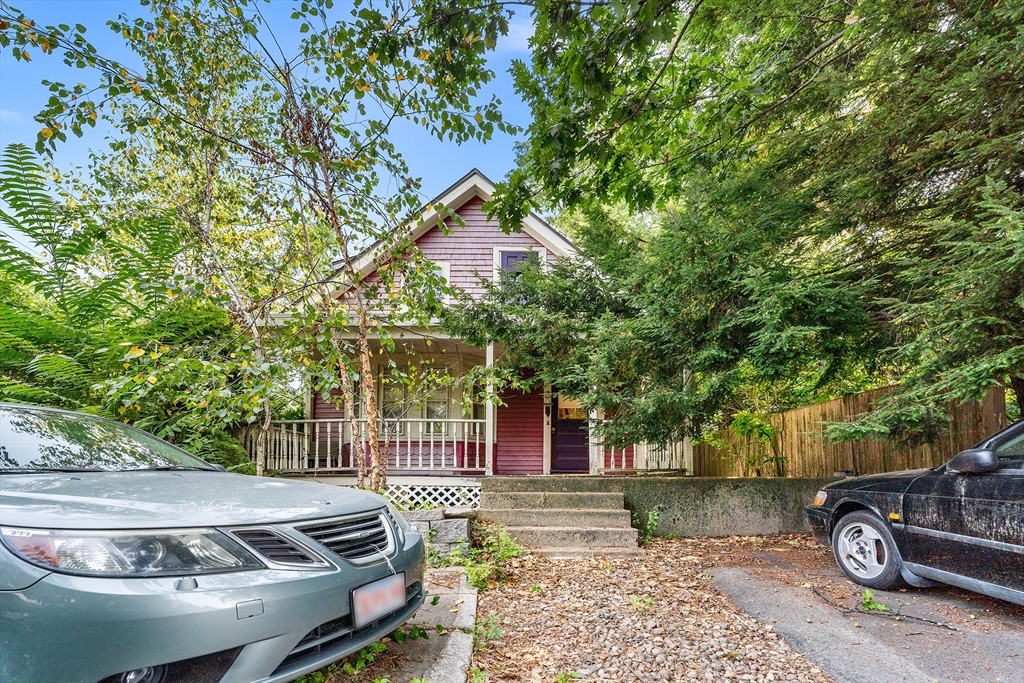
x,y
559,523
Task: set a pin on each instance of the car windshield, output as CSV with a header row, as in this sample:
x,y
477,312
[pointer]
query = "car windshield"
x,y
1011,452
47,440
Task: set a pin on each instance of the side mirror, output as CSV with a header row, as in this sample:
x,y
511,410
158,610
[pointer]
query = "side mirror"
x,y
973,461
219,468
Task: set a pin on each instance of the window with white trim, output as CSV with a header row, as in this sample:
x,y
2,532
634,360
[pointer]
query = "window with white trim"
x,y
514,260
436,404
478,410
394,398
443,269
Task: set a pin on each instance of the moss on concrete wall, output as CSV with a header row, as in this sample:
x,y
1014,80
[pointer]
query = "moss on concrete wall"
x,y
694,506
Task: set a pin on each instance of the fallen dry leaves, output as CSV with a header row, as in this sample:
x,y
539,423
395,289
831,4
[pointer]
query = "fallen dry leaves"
x,y
656,618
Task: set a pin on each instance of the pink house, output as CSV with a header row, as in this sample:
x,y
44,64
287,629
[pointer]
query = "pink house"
x,y
533,433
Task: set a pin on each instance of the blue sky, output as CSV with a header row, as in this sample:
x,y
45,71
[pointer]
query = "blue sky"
x,y
438,163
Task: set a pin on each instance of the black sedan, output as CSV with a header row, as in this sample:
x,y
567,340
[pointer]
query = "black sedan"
x,y
961,523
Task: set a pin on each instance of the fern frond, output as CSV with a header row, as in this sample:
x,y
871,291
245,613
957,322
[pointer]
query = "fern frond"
x,y
14,391
23,189
58,368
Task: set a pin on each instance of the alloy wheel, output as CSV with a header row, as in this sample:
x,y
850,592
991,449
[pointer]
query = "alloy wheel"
x,y
862,550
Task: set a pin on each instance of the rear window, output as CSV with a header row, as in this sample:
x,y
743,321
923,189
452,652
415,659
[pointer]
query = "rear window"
x,y
32,439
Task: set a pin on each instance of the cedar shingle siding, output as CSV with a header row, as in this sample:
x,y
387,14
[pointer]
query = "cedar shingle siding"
x,y
470,249
520,433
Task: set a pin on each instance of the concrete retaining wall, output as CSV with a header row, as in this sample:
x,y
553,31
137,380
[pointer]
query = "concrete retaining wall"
x,y
442,533
694,506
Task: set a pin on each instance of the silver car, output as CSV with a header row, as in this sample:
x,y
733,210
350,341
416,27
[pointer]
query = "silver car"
x,y
125,559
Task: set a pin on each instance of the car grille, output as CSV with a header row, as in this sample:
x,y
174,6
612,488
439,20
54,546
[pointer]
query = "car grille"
x,y
351,539
337,632
274,547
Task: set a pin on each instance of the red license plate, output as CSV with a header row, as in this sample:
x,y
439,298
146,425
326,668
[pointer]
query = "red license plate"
x,y
374,600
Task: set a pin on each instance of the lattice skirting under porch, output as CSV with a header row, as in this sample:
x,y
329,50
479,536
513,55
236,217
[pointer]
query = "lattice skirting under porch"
x,y
461,495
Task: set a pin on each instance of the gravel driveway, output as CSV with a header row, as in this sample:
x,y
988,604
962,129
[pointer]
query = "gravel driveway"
x,y
657,618
664,618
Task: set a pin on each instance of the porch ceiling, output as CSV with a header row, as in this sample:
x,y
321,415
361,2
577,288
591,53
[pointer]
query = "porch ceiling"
x,y
420,345
415,342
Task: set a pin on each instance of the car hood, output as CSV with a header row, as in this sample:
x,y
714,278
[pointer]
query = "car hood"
x,y
894,482
149,500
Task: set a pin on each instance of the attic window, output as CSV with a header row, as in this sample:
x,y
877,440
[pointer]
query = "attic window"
x,y
443,269
514,261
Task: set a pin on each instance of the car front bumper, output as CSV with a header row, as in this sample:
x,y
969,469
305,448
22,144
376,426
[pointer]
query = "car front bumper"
x,y
818,518
268,625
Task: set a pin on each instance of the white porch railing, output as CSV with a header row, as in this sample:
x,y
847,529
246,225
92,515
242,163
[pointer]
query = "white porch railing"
x,y
411,446
608,459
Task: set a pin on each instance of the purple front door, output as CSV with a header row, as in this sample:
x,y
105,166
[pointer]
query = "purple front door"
x,y
570,443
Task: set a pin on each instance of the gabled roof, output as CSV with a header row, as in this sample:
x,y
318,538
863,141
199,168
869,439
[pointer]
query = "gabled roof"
x,y
473,184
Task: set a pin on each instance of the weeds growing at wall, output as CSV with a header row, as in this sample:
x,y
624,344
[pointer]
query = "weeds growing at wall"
x,y
491,547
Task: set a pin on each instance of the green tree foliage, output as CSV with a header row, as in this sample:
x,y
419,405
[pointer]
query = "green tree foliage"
x,y
671,329
99,319
842,185
288,149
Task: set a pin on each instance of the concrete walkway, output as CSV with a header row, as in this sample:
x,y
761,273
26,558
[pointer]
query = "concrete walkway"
x,y
443,657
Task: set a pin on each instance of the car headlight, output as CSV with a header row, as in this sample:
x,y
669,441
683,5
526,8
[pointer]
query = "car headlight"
x,y
129,553
820,498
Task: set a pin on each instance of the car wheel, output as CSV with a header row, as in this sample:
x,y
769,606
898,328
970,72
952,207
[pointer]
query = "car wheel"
x,y
866,552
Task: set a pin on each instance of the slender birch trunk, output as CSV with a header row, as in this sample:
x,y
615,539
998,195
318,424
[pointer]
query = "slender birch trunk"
x,y
372,431
357,453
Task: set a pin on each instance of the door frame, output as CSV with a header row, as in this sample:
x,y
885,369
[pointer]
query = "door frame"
x,y
547,428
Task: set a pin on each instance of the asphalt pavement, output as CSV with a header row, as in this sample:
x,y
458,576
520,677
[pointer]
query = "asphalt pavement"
x,y
983,640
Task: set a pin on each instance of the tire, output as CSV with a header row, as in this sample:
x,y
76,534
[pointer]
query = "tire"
x,y
866,552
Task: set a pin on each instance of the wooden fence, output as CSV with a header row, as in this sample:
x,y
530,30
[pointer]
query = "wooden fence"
x,y
808,454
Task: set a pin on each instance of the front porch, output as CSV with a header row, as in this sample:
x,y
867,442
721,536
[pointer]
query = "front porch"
x,y
450,447
446,430
411,446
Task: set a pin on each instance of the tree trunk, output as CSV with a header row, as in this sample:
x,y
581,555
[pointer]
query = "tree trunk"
x,y
261,438
373,436
203,226
261,446
383,474
1017,384
357,453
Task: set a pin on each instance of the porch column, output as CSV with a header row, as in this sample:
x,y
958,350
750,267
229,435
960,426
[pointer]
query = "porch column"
x,y
596,451
489,431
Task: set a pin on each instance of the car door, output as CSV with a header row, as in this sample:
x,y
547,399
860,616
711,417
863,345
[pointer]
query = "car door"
x,y
971,525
